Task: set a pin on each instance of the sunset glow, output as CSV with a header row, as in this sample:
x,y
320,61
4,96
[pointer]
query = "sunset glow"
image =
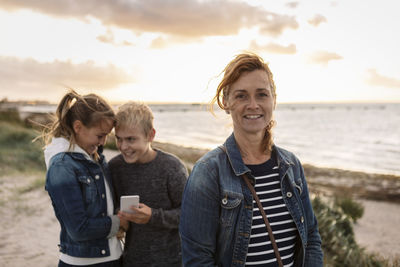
x,y
173,51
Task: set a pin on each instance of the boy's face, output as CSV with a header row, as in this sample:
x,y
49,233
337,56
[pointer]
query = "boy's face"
x,y
134,144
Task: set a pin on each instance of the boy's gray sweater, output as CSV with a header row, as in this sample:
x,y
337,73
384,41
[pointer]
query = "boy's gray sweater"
x,y
160,185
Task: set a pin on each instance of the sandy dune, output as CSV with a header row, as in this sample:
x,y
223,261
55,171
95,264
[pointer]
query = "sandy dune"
x,y
378,230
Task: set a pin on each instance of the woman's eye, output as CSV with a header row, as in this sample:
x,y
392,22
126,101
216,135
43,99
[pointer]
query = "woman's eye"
x,y
240,96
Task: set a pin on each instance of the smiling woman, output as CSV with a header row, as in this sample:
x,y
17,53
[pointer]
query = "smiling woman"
x,y
220,223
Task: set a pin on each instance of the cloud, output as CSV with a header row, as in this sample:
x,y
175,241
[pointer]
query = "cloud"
x,y
323,57
275,24
274,48
292,4
109,38
159,43
376,79
28,77
191,18
316,20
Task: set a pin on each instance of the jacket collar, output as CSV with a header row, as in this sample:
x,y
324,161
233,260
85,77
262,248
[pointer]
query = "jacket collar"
x,y
236,161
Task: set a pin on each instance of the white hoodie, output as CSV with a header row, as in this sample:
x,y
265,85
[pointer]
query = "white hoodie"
x,y
58,145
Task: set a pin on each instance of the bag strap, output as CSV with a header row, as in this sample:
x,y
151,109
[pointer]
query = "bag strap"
x,y
260,207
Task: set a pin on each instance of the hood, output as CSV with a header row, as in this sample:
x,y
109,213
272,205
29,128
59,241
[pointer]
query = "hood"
x,y
60,144
57,145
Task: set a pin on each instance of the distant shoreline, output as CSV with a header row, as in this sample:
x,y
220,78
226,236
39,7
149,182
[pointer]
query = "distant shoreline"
x,y
322,181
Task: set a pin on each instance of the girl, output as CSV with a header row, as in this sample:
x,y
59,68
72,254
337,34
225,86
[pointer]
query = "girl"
x,y
78,182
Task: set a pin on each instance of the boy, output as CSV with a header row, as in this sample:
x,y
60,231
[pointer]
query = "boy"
x,y
158,178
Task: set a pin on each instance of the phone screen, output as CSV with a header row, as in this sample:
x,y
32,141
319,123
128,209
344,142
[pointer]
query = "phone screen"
x,y
128,201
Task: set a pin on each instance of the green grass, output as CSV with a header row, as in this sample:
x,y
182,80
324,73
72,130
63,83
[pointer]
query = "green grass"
x,y
17,152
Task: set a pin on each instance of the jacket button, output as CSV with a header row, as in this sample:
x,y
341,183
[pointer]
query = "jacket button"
x,y
88,180
302,219
289,194
97,177
103,196
224,201
103,252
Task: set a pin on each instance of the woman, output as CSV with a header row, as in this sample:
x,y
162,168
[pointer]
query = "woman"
x,y
221,223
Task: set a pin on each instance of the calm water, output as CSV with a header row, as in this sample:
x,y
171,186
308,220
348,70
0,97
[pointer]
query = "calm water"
x,y
364,137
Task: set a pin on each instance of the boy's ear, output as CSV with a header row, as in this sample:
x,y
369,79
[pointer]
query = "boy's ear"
x,y
152,134
77,126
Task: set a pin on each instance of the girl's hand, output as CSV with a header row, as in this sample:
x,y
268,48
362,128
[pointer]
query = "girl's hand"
x,y
141,215
120,234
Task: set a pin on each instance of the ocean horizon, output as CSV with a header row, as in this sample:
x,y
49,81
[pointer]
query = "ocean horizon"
x,y
352,136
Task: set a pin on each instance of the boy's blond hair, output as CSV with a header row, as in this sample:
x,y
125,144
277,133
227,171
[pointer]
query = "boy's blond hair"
x,y
134,114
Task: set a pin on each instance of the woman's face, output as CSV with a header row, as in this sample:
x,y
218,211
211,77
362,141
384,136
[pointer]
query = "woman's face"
x,y
250,103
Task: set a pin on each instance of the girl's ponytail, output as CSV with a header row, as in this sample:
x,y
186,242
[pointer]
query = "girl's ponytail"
x,y
89,109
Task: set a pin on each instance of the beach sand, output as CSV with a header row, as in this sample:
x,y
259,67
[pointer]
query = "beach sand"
x,y
30,232
378,229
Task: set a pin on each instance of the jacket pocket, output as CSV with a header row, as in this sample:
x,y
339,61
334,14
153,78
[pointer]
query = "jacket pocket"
x,y
88,187
230,202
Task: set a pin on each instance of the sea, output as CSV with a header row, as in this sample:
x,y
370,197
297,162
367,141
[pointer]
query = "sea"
x,y
352,136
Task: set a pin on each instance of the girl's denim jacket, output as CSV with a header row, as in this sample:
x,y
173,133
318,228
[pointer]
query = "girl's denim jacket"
x,y
77,191
217,210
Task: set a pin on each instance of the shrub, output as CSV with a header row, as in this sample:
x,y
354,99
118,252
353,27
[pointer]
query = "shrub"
x,y
350,207
338,242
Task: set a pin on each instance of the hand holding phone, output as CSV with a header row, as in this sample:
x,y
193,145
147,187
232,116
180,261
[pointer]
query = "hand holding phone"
x,y
128,201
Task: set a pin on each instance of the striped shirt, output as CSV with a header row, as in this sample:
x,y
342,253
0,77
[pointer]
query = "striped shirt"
x,y
268,188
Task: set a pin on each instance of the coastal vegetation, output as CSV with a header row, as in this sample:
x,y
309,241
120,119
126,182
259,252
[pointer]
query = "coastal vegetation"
x,y
336,215
17,151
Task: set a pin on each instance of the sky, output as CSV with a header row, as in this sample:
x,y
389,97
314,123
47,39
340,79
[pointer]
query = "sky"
x,y
175,50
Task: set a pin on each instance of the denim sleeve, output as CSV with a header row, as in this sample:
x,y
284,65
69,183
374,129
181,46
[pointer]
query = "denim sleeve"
x,y
169,218
200,217
313,251
66,196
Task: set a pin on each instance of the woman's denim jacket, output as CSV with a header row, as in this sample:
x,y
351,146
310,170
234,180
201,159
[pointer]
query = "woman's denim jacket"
x,y
217,210
77,191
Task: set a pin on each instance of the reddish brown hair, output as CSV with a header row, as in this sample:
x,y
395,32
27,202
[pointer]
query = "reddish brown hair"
x,y
243,63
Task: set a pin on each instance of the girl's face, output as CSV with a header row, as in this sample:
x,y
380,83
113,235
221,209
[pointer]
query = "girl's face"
x,y
89,139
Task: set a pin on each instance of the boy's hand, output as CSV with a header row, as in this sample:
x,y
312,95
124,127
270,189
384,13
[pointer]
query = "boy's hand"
x,y
141,215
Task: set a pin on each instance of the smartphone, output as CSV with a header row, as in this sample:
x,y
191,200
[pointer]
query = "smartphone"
x,y
128,201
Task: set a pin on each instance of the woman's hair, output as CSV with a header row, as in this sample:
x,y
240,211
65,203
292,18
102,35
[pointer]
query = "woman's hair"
x,y
134,114
89,109
244,63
